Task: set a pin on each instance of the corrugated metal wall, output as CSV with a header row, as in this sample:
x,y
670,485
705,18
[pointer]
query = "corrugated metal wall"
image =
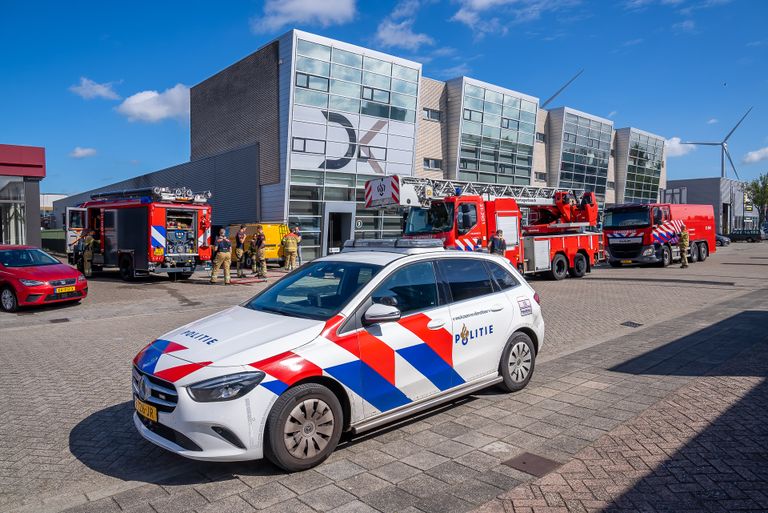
x,y
232,178
556,119
455,102
430,136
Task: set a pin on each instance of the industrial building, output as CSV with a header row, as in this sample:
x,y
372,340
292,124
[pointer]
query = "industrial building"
x,y
21,169
322,117
733,210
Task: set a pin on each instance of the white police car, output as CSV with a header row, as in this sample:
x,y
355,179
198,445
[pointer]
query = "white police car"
x,y
345,343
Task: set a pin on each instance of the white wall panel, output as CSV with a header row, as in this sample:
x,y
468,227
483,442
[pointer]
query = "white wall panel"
x,y
400,156
310,130
306,160
399,143
312,114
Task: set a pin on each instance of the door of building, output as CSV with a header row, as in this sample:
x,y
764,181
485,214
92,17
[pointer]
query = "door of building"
x,y
338,225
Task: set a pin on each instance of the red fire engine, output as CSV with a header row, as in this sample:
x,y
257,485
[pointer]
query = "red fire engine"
x,y
544,227
648,234
143,231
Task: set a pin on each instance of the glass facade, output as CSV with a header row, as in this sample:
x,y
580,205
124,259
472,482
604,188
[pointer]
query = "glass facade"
x,y
586,149
646,154
12,210
497,136
353,119
308,191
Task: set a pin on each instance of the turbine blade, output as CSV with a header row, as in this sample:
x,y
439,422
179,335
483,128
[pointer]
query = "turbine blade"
x,y
557,93
727,154
702,143
737,124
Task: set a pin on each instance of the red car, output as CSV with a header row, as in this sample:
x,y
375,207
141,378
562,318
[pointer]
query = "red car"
x,y
29,276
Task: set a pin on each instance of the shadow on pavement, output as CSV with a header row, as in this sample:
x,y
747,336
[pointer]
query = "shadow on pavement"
x,y
724,467
665,280
108,443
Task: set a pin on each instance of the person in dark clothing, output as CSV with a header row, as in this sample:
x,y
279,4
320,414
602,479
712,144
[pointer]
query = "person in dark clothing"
x,y
497,244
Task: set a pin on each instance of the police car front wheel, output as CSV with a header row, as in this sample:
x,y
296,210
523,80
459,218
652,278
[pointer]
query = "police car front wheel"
x,y
517,362
303,427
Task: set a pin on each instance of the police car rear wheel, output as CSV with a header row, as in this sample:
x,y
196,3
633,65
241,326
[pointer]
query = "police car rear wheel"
x,y
303,427
517,362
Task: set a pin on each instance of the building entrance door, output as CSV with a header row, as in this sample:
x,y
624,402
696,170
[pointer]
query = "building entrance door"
x,y
338,225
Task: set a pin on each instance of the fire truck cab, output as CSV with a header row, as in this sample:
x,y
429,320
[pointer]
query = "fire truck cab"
x,y
144,231
544,228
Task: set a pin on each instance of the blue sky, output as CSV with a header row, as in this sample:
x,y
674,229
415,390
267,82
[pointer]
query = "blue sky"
x,y
103,85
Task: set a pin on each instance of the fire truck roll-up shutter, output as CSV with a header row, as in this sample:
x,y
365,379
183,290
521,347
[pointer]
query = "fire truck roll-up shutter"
x,y
508,223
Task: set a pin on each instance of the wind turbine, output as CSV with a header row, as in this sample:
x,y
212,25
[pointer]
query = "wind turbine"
x,y
724,147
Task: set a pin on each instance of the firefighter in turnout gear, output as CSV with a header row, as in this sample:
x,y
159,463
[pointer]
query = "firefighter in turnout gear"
x,y
683,244
89,245
258,249
291,249
240,251
223,257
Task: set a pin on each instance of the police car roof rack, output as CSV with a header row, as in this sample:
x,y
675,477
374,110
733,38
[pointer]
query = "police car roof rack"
x,y
407,246
175,194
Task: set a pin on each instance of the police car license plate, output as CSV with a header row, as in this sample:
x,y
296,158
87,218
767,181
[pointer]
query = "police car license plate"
x,y
626,261
145,410
61,290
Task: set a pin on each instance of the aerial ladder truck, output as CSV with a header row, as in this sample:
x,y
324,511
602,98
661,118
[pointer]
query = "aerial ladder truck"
x,y
547,230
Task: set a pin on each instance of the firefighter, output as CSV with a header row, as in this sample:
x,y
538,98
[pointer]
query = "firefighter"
x,y
497,244
258,249
223,257
87,249
240,251
290,249
683,243
297,231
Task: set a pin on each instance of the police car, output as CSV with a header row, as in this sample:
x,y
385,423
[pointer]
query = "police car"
x,y
346,343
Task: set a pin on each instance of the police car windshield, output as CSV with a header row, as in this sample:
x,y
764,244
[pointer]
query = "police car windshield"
x,y
26,258
437,218
627,218
318,290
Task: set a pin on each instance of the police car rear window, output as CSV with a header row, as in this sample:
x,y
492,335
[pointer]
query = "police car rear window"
x,y
318,290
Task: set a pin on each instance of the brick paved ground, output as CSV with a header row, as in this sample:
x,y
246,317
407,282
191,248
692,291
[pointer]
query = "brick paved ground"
x,y
67,440
704,448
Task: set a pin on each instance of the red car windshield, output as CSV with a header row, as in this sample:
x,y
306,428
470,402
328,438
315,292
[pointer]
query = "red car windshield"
x,y
26,258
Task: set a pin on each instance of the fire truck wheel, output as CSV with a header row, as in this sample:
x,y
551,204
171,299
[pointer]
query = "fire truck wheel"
x,y
703,251
517,362
303,427
126,267
579,268
694,253
559,269
666,256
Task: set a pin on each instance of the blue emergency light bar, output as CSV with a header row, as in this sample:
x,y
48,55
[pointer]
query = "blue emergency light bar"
x,y
393,243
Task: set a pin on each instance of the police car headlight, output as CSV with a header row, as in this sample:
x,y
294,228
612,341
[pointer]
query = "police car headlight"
x,y
225,388
648,252
31,283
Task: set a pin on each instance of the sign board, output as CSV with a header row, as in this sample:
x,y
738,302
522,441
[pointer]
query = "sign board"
x,y
747,202
382,192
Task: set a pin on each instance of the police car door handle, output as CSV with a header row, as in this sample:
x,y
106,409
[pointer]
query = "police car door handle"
x,y
436,324
497,308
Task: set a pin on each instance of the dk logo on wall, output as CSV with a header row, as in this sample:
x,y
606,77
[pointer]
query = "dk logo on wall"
x,y
365,152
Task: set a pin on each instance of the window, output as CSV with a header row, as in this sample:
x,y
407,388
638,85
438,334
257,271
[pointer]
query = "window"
x,y
467,278
318,290
374,109
347,58
410,289
502,277
372,152
541,177
378,95
431,114
314,50
433,163
467,217
304,145
311,82
540,137
611,185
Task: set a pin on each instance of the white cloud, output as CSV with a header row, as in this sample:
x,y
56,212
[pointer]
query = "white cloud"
x,y
458,70
281,13
396,30
674,148
753,44
151,106
89,89
685,26
633,42
756,156
612,114
82,153
712,121
495,16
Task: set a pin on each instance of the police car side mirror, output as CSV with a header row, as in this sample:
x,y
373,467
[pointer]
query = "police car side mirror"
x,y
377,313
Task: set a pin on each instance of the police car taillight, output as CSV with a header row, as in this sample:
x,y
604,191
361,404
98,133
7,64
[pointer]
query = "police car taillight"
x,y
536,297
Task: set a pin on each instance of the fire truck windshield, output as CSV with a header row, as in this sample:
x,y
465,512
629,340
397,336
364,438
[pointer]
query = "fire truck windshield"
x,y
437,218
627,218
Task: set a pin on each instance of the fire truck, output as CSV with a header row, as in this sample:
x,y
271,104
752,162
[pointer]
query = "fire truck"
x,y
545,228
649,233
143,231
